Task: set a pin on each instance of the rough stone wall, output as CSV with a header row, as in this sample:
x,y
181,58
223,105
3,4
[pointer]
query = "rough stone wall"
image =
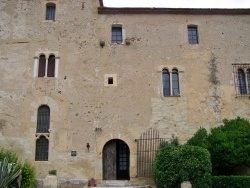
x,y
83,109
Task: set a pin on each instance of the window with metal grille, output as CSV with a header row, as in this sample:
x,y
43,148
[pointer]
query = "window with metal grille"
x,y
192,34
116,34
50,11
46,67
123,153
42,149
242,79
170,83
43,119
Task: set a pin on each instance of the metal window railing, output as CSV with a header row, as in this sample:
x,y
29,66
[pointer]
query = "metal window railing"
x,y
241,73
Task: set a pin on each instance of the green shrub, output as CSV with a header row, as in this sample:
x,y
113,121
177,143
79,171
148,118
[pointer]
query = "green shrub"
x,y
8,172
199,139
228,144
52,172
9,154
27,179
173,142
176,164
231,181
28,176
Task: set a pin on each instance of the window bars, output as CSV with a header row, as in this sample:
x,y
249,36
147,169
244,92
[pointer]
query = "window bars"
x,y
241,74
147,147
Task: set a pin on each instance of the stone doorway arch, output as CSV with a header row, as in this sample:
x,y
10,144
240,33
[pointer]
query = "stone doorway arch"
x,y
115,160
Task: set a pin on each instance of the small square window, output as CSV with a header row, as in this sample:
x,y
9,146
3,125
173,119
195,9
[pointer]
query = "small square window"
x,y
192,35
110,80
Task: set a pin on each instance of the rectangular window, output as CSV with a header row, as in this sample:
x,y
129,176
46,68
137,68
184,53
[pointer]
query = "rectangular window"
x,y
192,35
116,34
110,80
50,11
242,79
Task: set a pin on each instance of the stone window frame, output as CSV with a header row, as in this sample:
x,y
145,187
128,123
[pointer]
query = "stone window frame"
x,y
170,69
241,73
42,149
193,34
106,80
54,111
47,56
50,16
118,25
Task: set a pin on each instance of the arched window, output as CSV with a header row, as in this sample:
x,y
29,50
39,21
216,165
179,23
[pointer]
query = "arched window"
x,y
166,82
42,66
42,149
43,119
50,11
241,82
51,66
47,66
248,80
175,83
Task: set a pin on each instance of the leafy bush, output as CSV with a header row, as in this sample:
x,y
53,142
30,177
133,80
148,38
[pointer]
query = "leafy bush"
x,y
27,179
28,176
176,164
199,139
8,172
231,181
52,172
173,142
229,145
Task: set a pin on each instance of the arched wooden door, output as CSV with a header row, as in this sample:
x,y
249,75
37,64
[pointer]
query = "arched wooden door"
x,y
115,158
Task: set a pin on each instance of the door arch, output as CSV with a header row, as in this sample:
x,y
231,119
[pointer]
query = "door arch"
x,y
115,160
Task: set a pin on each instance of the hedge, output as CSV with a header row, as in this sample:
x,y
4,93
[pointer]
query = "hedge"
x,y
231,181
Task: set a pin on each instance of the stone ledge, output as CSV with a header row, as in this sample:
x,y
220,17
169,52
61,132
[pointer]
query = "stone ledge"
x,y
65,183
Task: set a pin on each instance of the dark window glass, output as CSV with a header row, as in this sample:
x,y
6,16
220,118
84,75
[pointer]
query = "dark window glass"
x,y
43,119
117,35
192,35
241,82
166,82
50,11
110,80
42,66
248,80
42,149
175,83
51,66
123,156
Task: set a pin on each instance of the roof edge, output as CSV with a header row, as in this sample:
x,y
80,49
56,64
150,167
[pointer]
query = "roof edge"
x,y
191,11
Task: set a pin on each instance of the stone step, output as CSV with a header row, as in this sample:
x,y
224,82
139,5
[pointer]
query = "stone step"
x,y
119,184
124,187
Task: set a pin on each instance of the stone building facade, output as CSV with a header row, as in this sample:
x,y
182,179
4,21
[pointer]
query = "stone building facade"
x,y
81,83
